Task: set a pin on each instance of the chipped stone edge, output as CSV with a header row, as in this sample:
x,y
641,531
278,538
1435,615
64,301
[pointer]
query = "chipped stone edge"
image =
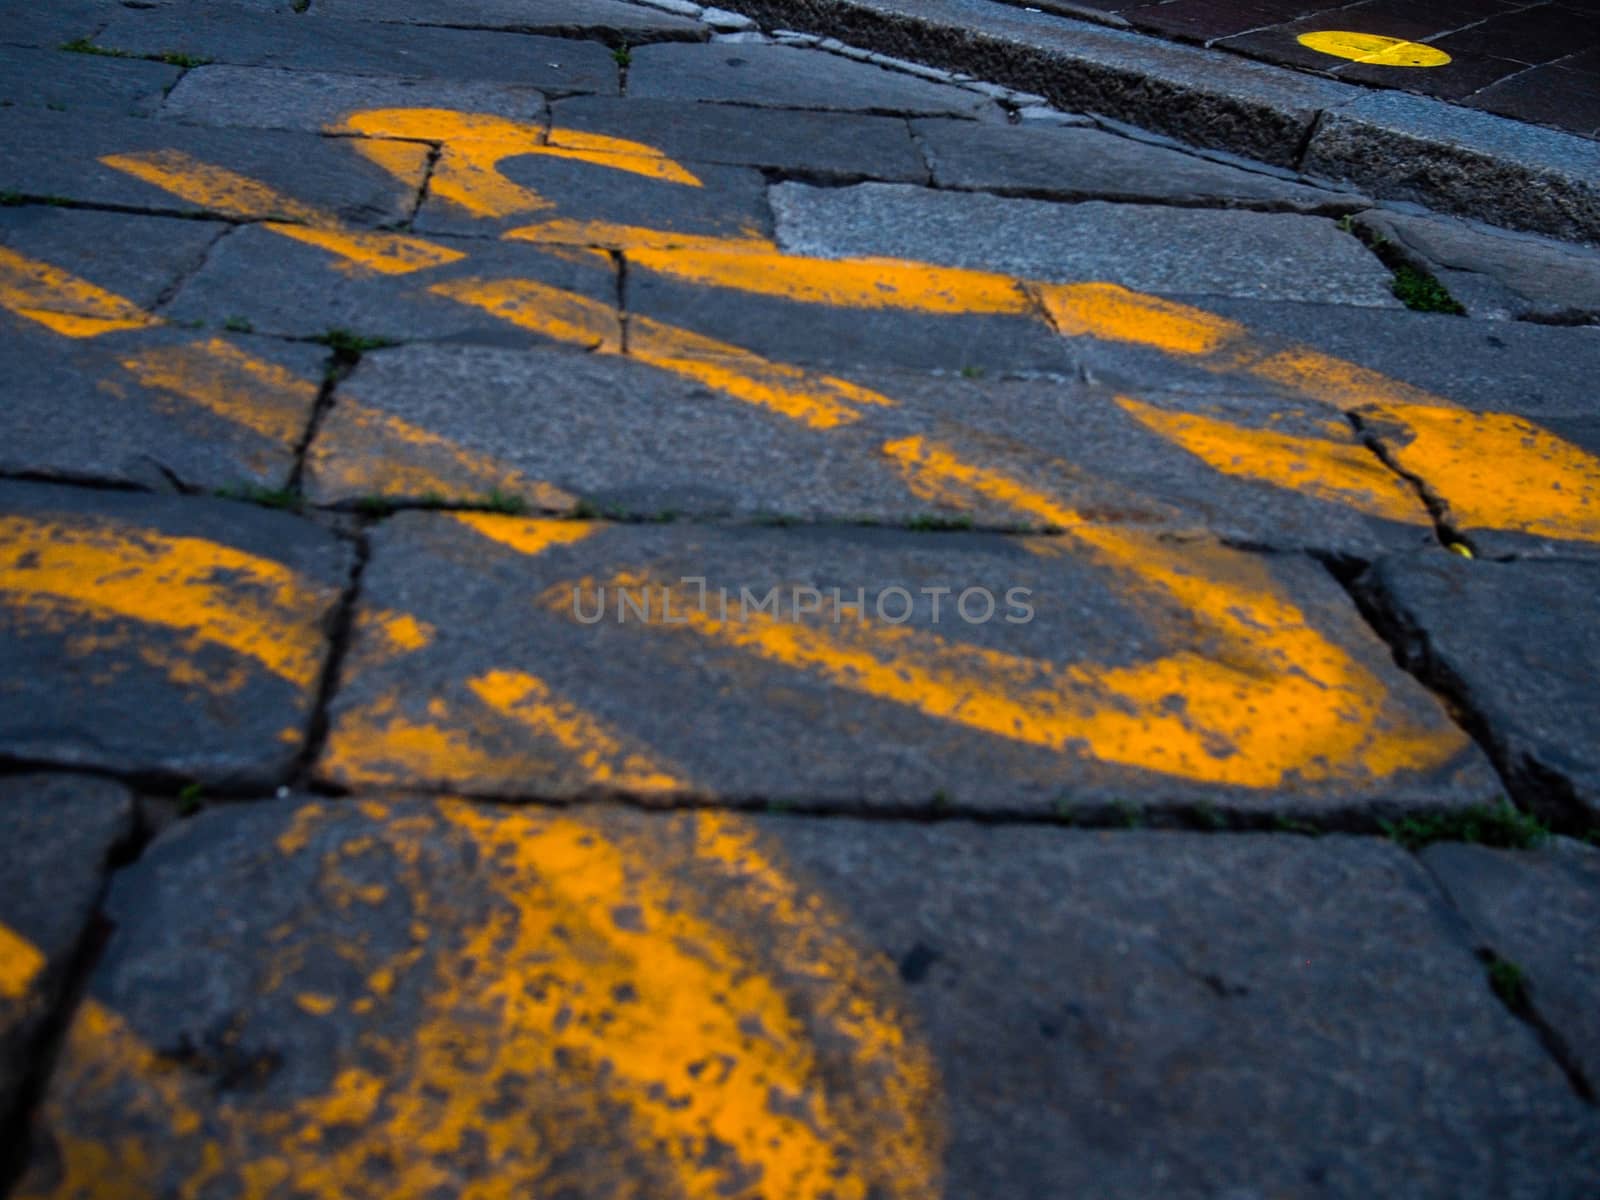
x,y
1213,101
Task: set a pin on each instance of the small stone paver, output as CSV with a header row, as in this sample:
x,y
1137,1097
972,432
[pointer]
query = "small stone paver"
x,y
786,77
59,80
1073,164
1538,910
169,636
1527,681
277,98
56,833
565,655
1259,256
1072,1010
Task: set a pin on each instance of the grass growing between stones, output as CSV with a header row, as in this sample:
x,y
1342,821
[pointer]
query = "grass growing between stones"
x,y
1421,292
171,58
253,493
1500,825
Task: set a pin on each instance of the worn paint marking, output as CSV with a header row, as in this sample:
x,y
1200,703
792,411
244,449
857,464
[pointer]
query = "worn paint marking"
x,y
528,535
61,301
21,964
218,189
229,382
1336,468
72,571
1373,49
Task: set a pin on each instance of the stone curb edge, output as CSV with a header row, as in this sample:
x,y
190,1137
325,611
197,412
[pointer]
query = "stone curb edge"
x,y
1392,145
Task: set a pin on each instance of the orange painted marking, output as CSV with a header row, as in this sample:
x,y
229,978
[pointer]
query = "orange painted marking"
x,y
612,236
1374,49
552,312
21,964
259,395
68,572
62,302
530,536
220,190
1336,469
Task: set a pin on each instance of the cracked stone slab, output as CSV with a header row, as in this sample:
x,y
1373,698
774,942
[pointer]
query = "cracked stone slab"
x,y
1188,92
1538,909
527,685
1493,273
1076,164
600,19
152,407
1516,644
621,189
276,285
60,155
789,77
270,98
1173,251
56,832
979,1011
1459,160
361,47
146,635
78,82
813,143
619,434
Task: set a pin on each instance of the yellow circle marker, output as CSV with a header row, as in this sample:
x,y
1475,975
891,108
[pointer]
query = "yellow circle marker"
x,y
1374,48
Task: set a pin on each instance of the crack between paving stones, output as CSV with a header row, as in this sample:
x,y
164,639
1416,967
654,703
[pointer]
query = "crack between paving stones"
x,y
1446,533
44,1048
340,633
182,279
339,366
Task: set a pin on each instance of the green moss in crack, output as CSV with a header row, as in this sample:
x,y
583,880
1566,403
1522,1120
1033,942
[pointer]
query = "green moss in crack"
x,y
1421,292
1498,825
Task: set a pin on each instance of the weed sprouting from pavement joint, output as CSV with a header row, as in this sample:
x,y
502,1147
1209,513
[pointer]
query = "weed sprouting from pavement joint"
x,y
1129,814
300,6
972,372
171,57
84,46
1064,811
942,801
376,507
181,60
1299,828
343,342
507,503
238,325
1507,980
1421,292
926,523
283,498
623,55
1500,825
190,800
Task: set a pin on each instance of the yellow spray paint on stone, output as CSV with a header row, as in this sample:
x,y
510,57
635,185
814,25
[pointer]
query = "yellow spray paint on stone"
x,y
1373,49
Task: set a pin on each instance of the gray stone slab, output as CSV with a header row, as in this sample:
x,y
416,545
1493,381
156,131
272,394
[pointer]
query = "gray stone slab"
x,y
138,258
1537,909
60,80
1207,99
720,201
152,408
1538,371
58,155
283,287
1516,645
56,832
1173,251
182,638
625,436
834,145
1460,160
1064,163
270,98
1492,273
520,692
607,19
48,25
1072,1014
788,77
362,47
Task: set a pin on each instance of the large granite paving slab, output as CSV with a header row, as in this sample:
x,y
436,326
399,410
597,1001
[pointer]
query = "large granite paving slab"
x,y
1154,248
157,636
606,1003
46,26
77,82
282,98
1068,163
1537,910
771,76
228,35
56,832
805,143
644,438
880,669
173,168
1515,644
278,285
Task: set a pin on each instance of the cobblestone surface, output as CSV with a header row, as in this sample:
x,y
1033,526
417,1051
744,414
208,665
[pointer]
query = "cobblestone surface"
x,y
598,600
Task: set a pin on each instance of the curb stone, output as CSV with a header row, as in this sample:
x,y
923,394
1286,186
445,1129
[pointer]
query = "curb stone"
x,y
1394,145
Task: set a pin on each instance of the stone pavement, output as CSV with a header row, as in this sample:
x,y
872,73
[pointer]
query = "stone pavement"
x,y
600,602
